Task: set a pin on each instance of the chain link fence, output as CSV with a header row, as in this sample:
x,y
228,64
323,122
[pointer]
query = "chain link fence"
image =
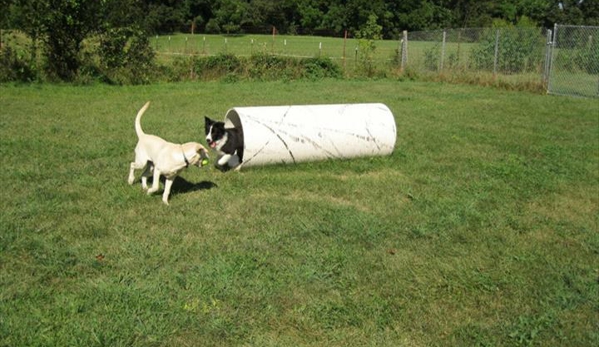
x,y
512,55
506,51
574,61
564,60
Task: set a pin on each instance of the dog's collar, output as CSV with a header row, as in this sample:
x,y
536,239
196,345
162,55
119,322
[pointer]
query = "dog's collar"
x,y
184,157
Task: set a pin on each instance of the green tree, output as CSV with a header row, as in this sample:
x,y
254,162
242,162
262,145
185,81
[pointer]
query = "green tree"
x,y
58,29
575,12
266,13
367,36
311,13
123,51
65,25
167,16
230,15
27,15
471,13
590,10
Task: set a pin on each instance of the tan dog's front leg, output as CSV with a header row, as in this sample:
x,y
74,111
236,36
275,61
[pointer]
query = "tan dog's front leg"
x,y
134,166
167,189
155,182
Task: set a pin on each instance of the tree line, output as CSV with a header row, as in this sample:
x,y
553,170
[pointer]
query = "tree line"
x,y
302,16
334,17
59,29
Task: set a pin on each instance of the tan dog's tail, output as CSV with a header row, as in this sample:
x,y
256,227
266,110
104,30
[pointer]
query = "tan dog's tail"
x,y
138,129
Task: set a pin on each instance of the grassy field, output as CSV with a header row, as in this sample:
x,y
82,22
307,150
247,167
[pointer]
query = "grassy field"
x,y
424,57
300,46
386,54
481,229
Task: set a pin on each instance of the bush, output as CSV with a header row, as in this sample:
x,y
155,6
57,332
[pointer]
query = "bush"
x,y
519,49
14,67
432,57
216,66
317,68
124,56
579,57
367,36
256,67
267,67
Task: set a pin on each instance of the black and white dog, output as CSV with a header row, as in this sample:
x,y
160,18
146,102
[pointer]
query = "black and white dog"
x,y
228,142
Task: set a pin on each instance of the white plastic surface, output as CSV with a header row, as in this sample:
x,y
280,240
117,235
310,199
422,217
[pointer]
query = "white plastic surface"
x,y
292,134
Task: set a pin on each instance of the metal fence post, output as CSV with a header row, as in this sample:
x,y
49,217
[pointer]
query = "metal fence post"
x,y
496,53
442,51
404,50
547,68
552,55
344,46
459,42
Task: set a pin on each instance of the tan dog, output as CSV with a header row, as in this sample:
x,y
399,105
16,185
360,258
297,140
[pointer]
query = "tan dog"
x,y
165,158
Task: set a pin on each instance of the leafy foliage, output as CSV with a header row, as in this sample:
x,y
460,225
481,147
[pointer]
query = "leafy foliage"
x,y
577,52
14,67
367,46
515,48
59,31
255,67
65,26
125,56
314,16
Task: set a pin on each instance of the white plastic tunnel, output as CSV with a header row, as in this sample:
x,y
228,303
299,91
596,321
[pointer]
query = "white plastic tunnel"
x,y
293,134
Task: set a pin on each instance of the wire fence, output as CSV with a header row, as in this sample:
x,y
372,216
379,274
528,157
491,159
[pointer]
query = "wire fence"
x,y
564,60
508,51
574,61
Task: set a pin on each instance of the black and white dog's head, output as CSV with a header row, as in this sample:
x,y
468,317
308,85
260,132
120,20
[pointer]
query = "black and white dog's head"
x,y
216,135
228,142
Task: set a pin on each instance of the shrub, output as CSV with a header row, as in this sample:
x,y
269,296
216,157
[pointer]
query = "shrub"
x,y
124,56
256,67
518,50
578,55
367,35
14,67
317,68
217,66
432,57
266,66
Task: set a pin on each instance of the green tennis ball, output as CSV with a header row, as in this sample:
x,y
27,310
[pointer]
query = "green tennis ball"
x,y
204,161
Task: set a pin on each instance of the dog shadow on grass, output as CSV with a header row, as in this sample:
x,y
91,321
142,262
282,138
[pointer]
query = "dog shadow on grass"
x,y
181,185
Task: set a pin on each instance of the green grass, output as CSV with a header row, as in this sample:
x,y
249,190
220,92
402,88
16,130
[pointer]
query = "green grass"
x,y
480,229
424,57
576,84
338,49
